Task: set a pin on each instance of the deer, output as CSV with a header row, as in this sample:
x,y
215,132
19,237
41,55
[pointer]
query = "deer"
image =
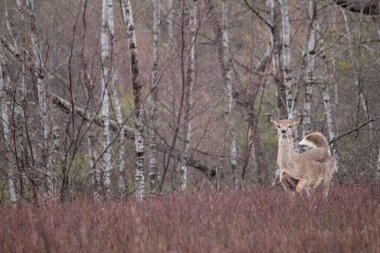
x,y
302,171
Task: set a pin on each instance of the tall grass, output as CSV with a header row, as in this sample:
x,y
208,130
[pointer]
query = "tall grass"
x,y
264,220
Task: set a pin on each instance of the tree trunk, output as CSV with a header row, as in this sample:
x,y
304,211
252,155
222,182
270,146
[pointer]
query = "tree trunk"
x,y
6,137
139,137
189,84
288,82
41,87
153,173
105,79
309,77
226,72
327,104
120,163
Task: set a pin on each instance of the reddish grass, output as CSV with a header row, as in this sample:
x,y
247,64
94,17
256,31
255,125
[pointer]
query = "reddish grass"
x,y
265,220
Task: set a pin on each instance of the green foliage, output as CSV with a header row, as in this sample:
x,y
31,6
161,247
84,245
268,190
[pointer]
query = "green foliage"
x,y
343,65
4,194
81,166
127,104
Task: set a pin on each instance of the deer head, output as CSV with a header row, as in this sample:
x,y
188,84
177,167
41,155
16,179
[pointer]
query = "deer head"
x,y
284,126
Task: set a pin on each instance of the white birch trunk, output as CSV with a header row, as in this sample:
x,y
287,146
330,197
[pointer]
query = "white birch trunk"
x,y
120,164
286,56
105,77
41,88
327,104
6,133
228,84
309,78
226,73
189,84
153,173
289,89
139,138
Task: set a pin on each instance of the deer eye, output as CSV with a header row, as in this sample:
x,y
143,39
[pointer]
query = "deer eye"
x,y
290,126
278,126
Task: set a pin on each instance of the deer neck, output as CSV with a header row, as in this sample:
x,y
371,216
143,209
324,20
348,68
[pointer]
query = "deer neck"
x,y
285,154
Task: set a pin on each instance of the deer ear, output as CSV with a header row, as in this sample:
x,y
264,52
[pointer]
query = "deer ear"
x,y
297,120
272,119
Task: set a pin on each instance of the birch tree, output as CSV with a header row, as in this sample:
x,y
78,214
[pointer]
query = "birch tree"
x,y
277,71
326,102
105,76
309,77
138,110
120,164
6,135
41,87
225,65
189,84
153,173
289,87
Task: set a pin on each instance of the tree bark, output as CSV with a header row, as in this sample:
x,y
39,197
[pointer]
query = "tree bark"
x,y
277,66
309,77
189,85
6,132
327,105
224,59
226,73
288,82
153,172
41,87
120,163
105,79
139,137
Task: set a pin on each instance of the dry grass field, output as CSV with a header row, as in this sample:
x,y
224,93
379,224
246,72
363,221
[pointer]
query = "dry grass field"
x,y
264,220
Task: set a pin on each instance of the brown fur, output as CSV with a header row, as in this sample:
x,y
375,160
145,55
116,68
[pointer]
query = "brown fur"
x,y
306,170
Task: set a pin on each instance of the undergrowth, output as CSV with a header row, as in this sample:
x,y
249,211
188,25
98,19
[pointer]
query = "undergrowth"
x,y
264,220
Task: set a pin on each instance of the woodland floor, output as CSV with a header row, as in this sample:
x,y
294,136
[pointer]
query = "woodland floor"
x,y
263,220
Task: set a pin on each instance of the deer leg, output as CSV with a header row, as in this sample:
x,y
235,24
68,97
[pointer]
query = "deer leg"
x,y
300,186
326,187
288,182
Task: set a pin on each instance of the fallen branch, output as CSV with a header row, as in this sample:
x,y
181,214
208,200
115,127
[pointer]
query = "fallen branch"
x,y
352,130
65,106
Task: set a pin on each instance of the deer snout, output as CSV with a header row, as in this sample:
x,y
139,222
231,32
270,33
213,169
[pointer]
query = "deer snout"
x,y
283,131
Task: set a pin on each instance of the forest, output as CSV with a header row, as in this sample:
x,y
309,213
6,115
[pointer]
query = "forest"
x,y
142,125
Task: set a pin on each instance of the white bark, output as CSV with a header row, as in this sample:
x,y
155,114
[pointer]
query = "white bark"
x,y
139,138
105,77
153,173
41,88
6,136
189,84
228,84
327,104
286,57
309,78
120,163
289,89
